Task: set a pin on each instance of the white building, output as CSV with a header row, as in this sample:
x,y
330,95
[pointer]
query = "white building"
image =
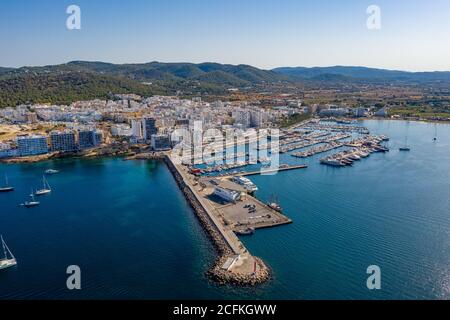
x,y
227,194
32,145
137,130
121,130
242,117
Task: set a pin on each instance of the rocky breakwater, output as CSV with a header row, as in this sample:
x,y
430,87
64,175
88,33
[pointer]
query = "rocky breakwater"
x,y
221,276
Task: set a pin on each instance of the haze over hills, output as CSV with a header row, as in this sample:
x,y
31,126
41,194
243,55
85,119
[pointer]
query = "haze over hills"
x,y
362,73
75,80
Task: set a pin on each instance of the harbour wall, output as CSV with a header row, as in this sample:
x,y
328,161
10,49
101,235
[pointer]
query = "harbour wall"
x,y
224,250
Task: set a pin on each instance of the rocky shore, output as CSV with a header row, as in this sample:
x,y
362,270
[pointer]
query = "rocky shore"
x,y
99,152
217,274
224,251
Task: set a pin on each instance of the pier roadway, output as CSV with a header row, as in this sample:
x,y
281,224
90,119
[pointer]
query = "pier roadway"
x,y
266,171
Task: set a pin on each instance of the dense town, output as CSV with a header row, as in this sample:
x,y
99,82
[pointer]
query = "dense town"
x,y
27,131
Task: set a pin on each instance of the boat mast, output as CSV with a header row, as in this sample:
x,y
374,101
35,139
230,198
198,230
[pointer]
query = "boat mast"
x,y
4,247
46,184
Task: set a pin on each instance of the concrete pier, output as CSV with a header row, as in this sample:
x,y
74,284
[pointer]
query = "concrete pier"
x,y
235,264
268,171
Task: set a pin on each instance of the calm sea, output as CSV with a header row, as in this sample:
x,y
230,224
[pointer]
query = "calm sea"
x,y
128,227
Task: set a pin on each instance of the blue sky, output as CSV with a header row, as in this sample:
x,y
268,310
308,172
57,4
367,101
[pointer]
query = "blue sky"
x,y
414,35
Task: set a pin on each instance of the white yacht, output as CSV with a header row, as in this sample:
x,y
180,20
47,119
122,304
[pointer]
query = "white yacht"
x,y
246,183
6,187
7,262
332,162
32,203
353,156
51,171
45,189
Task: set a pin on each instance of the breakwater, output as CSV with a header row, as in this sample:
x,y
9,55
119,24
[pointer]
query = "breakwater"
x,y
225,249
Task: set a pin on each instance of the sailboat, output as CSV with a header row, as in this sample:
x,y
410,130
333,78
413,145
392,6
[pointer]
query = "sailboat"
x,y
32,203
45,190
7,262
405,148
6,187
273,203
435,132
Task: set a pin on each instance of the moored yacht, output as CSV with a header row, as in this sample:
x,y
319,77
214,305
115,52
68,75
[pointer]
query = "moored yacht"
x,y
353,156
246,183
332,162
45,190
7,262
32,203
6,187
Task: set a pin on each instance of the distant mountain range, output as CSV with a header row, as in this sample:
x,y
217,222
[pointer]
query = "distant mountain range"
x,y
84,80
220,74
359,74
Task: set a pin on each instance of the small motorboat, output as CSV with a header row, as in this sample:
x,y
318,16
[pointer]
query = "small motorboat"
x,y
51,171
32,203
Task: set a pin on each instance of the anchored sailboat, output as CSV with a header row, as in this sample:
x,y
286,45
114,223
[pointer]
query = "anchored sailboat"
x,y
6,187
405,148
273,203
32,203
7,262
45,190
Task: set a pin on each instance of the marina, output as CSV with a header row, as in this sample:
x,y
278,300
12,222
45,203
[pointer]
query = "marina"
x,y
359,148
312,141
268,171
325,148
46,189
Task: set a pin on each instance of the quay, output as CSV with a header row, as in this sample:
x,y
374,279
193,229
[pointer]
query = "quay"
x,y
221,222
268,171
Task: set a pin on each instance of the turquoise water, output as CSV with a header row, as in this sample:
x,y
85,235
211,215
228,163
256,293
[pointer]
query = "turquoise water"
x,y
128,227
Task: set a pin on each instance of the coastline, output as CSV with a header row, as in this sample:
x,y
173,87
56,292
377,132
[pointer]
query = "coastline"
x,y
402,119
92,153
